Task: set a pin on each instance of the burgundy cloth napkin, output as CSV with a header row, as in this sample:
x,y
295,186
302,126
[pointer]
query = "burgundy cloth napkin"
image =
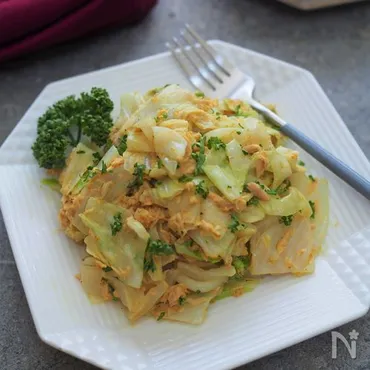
x,y
28,25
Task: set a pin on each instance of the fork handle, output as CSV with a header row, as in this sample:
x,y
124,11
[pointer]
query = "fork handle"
x,y
343,171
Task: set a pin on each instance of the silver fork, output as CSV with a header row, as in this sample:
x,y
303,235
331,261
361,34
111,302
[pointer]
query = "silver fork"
x,y
215,76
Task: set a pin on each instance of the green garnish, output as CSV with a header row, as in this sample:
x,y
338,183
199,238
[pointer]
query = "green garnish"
x,y
161,316
122,147
241,264
282,188
312,205
244,152
63,124
189,243
116,225
301,163
52,183
199,157
111,291
103,167
159,163
199,94
202,189
88,174
182,300
97,158
215,143
107,269
186,178
239,132
286,220
311,178
266,189
253,201
156,248
235,225
135,184
80,152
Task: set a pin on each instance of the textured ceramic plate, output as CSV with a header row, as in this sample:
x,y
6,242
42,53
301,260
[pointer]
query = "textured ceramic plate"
x,y
280,312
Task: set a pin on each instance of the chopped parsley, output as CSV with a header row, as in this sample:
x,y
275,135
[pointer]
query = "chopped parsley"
x,y
199,94
215,143
159,163
116,226
311,178
185,178
301,163
97,157
244,152
107,269
161,116
282,188
182,300
253,201
88,174
122,147
189,243
312,205
111,291
161,316
80,152
156,248
135,184
235,225
266,189
199,157
239,132
202,189
286,220
103,167
241,264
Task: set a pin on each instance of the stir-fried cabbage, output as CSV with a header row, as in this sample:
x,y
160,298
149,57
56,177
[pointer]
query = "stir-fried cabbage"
x,y
190,201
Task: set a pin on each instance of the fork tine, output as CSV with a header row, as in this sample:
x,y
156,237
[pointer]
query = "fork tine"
x,y
212,53
181,63
195,80
202,72
208,62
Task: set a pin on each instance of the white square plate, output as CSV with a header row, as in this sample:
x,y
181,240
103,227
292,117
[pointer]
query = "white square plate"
x,y
279,313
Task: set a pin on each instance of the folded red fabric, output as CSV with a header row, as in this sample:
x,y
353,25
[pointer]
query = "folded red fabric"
x,y
28,25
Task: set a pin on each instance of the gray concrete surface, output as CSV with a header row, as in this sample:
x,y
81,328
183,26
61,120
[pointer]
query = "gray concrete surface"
x,y
333,44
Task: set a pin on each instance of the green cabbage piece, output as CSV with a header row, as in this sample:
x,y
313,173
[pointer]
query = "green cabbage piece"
x,y
239,162
169,189
211,247
294,202
89,172
236,288
193,314
125,250
80,158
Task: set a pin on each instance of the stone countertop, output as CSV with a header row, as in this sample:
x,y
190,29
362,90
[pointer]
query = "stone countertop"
x,y
333,44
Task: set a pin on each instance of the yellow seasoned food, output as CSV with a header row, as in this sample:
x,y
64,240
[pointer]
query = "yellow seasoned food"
x,y
195,200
